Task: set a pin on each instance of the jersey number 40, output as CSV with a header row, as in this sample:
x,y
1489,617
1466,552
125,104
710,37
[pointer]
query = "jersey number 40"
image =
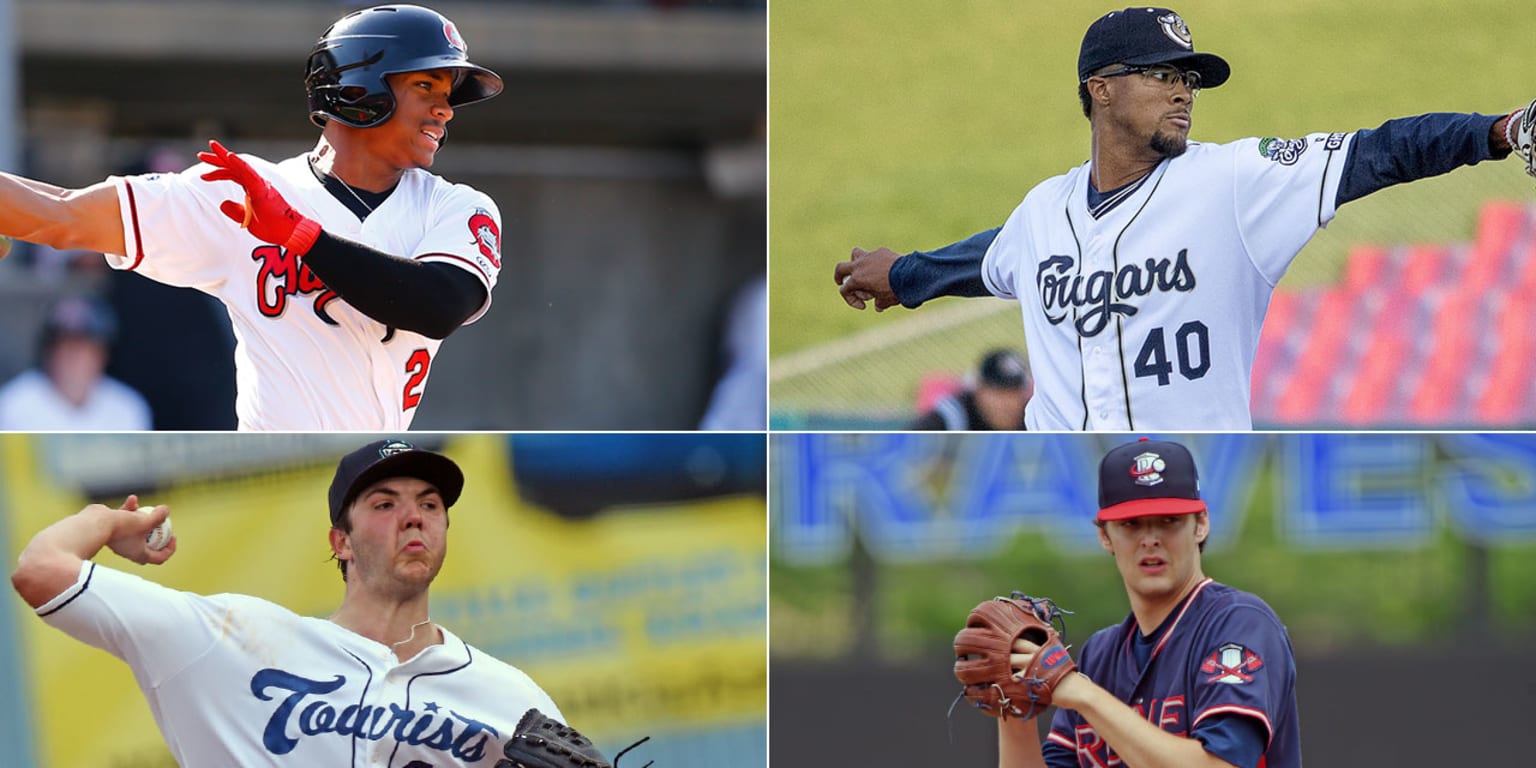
x,y
1191,345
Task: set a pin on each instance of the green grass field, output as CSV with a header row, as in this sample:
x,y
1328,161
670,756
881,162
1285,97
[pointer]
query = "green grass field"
x,y
915,124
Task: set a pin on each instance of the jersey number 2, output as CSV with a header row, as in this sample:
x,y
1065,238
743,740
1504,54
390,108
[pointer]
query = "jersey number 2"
x,y
1191,343
416,369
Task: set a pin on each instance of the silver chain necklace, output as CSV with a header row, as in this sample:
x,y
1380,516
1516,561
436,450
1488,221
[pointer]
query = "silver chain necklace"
x,y
344,185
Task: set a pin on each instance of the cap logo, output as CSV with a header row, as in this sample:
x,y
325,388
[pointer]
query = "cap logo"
x,y
393,447
1176,30
452,33
1148,469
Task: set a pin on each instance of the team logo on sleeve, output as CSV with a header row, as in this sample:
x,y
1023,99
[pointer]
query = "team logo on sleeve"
x,y
487,236
1176,30
1282,151
1148,469
1232,664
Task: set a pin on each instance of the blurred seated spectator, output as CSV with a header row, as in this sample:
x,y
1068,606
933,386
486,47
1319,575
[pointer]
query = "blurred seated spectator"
x,y
740,399
69,390
993,398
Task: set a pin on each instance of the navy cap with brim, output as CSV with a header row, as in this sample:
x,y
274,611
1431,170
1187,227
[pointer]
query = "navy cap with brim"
x,y
1145,36
360,469
1146,478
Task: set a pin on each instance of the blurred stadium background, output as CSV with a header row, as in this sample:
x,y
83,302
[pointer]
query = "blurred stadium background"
x,y
916,125
624,573
1401,564
626,154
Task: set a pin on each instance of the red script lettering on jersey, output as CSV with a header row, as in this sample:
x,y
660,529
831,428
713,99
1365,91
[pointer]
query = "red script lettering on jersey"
x,y
281,275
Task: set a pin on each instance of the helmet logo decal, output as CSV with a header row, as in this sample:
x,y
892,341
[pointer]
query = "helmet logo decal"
x,y
487,235
452,33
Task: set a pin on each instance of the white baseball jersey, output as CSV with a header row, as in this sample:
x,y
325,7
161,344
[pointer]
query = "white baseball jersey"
x,y
1146,316
304,359
234,680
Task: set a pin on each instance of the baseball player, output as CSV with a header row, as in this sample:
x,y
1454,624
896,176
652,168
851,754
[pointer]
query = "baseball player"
x,y
1199,674
236,680
1144,274
343,268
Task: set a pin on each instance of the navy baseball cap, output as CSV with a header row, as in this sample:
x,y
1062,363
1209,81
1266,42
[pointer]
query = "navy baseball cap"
x,y
392,458
1143,36
1148,477
1005,369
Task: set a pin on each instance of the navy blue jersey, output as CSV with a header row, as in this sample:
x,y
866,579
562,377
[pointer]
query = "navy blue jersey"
x,y
1222,657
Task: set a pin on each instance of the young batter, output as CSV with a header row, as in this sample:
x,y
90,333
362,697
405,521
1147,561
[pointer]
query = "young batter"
x,y
234,680
343,268
1200,675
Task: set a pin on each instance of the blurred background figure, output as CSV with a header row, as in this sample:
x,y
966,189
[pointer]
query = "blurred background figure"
x,y
992,398
740,399
68,389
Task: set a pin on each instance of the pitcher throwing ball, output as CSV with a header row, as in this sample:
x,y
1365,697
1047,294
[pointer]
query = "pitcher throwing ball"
x,y
1199,675
343,268
235,680
1145,273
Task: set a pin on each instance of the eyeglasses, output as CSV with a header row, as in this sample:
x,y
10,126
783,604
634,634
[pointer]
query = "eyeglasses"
x,y
1166,75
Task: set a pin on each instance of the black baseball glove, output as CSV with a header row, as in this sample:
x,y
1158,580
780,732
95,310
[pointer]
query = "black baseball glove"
x,y
541,741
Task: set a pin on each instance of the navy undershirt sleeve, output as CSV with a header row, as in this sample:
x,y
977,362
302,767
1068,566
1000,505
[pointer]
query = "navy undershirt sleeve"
x,y
1412,148
1237,739
1057,756
954,270
429,298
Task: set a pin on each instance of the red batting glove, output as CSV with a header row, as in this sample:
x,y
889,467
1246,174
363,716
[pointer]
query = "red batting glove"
x,y
265,213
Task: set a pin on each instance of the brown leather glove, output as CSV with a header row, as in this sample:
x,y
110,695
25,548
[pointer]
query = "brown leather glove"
x,y
982,652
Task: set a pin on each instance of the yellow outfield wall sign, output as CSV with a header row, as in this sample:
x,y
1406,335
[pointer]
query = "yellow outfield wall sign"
x,y
641,620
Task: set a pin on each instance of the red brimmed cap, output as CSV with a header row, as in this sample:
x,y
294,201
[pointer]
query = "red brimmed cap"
x,y
1148,477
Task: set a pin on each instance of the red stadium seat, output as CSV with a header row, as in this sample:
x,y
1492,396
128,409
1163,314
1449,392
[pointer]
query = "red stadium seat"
x,y
1374,382
1366,268
1323,355
1424,267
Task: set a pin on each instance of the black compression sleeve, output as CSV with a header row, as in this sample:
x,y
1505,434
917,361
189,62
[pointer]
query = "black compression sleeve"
x,y
429,298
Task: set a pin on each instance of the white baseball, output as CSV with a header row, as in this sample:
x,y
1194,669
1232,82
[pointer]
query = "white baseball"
x,y
160,537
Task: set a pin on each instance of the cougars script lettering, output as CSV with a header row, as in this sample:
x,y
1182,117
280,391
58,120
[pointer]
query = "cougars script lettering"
x,y
1100,294
463,737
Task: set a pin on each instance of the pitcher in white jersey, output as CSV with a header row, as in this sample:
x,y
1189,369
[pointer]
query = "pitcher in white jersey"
x,y
1144,275
342,269
234,680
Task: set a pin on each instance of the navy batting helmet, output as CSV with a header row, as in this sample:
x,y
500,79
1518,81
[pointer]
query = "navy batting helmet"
x,y
345,74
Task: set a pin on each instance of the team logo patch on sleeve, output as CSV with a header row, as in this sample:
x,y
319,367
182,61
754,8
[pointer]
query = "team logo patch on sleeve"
x,y
1282,151
1232,664
487,236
